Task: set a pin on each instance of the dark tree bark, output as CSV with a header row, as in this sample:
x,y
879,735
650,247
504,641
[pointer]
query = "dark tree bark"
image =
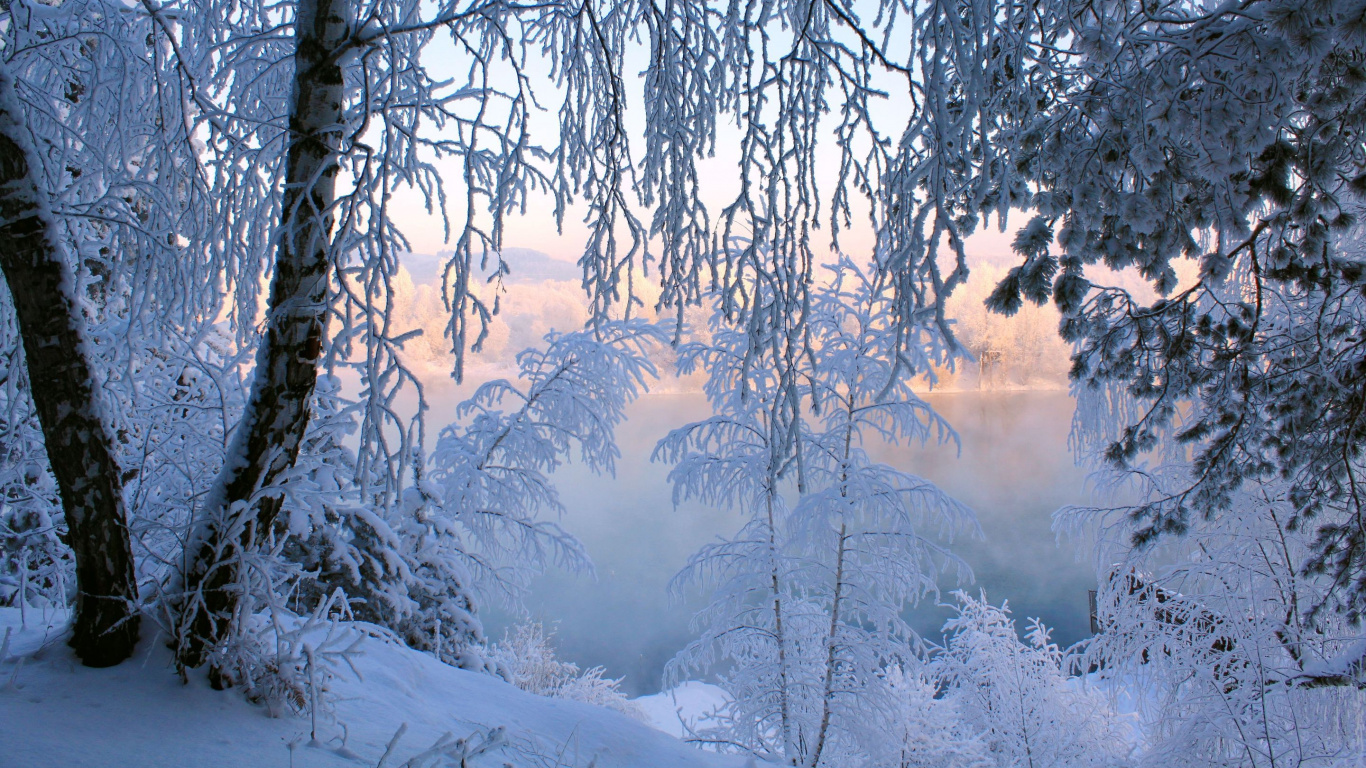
x,y
79,446
243,509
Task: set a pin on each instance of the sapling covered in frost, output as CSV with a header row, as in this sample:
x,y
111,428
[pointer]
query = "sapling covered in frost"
x,y
805,611
475,524
491,469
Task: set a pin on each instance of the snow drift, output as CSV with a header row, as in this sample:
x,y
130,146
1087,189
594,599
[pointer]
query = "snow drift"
x,y
54,712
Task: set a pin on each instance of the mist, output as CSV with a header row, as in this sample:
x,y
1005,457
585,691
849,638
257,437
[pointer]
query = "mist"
x,y
1014,472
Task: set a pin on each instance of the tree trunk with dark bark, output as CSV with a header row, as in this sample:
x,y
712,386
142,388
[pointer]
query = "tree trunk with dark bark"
x,y
243,508
62,382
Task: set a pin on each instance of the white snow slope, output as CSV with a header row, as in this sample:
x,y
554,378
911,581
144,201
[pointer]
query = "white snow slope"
x,y
684,708
54,712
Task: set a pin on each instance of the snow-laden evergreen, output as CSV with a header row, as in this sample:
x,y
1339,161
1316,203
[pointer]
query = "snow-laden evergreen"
x,y
1214,150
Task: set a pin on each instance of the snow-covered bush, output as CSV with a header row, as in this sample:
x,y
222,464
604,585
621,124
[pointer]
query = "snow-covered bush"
x,y
35,566
927,730
1215,634
526,658
396,576
288,661
1018,696
393,567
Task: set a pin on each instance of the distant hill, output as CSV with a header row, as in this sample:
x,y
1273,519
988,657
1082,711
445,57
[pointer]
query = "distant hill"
x,y
527,265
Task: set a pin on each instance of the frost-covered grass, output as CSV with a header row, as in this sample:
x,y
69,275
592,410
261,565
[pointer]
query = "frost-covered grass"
x,y
526,658
54,712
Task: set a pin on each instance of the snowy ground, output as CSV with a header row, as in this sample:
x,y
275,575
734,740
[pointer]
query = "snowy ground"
x,y
683,708
53,712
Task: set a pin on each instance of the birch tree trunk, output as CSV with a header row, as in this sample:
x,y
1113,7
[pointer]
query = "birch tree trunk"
x,y
243,508
62,382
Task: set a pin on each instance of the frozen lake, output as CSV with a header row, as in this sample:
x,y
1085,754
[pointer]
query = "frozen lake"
x,y
1014,471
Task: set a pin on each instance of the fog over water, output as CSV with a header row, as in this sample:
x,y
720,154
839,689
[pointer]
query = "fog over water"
x,y
1014,472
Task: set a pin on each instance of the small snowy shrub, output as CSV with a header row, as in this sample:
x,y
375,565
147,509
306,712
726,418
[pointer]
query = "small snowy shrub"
x,y
927,730
286,661
526,659
1018,696
36,566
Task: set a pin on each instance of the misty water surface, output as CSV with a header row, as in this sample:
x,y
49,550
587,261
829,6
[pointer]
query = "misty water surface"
x,y
1014,471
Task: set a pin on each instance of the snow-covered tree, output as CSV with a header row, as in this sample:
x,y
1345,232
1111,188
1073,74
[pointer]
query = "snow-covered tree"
x,y
805,618
112,155
63,382
1229,135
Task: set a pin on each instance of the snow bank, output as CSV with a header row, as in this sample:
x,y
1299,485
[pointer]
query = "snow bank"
x,y
684,708
54,712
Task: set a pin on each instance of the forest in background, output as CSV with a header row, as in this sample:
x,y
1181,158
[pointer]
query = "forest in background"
x,y
1022,352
